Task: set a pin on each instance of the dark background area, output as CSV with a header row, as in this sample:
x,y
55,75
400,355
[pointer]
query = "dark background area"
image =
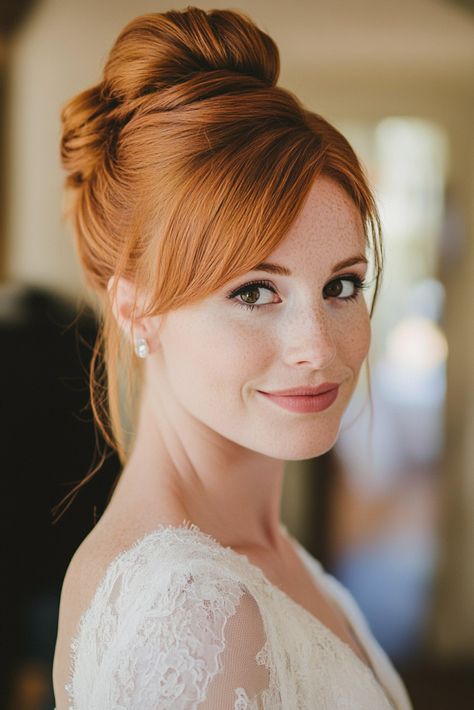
x,y
49,442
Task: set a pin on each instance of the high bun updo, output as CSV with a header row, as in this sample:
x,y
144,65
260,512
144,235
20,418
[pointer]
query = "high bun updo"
x,y
186,165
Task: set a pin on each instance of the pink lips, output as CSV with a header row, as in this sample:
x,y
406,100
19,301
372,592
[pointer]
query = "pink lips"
x,y
305,399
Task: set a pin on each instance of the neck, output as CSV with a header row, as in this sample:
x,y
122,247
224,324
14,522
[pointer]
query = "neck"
x,y
180,469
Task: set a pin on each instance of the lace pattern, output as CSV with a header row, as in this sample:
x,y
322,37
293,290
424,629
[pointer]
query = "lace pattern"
x,y
181,622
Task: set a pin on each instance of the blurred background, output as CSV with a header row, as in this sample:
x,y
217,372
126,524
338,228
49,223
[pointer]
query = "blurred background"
x,y
390,509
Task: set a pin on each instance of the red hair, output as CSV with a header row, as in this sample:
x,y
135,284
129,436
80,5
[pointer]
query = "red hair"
x,y
186,166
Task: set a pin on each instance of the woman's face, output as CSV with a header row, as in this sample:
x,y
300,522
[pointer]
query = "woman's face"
x,y
306,328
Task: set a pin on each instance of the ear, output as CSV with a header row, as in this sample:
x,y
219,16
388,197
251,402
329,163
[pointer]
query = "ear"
x,y
127,313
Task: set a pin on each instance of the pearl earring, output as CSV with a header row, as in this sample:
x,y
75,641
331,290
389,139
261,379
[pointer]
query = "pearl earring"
x,y
141,347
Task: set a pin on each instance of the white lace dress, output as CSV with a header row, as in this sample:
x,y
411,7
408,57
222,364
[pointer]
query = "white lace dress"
x,y
181,622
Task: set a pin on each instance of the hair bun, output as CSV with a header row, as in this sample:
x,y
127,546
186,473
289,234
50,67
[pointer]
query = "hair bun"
x,y
155,52
84,129
159,50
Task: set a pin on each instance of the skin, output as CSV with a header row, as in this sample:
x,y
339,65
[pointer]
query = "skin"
x,y
209,447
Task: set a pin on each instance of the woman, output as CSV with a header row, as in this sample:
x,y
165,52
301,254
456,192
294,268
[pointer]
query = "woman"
x,y
224,228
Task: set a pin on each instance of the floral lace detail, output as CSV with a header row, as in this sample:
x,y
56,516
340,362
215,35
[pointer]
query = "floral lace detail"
x,y
242,701
181,622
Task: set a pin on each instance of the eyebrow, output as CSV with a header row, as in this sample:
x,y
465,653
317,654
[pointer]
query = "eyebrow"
x,y
283,271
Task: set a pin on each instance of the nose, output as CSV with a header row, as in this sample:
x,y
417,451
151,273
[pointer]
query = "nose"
x,y
311,340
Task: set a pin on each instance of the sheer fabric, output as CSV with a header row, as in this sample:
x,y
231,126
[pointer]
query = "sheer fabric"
x,y
181,622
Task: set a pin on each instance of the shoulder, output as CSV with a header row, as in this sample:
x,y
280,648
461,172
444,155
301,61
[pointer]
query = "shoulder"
x,y
120,565
159,564
163,603
131,570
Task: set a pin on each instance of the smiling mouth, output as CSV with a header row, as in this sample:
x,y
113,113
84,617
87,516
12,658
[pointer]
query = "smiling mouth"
x,y
304,403
304,389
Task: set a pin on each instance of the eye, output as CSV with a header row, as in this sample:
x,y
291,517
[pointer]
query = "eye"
x,y
354,285
249,293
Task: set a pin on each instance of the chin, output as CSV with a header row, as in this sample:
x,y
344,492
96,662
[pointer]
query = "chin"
x,y
300,449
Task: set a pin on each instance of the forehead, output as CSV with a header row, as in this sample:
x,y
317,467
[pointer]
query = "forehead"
x,y
328,227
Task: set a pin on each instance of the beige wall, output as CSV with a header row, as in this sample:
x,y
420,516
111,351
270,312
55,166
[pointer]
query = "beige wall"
x,y
363,60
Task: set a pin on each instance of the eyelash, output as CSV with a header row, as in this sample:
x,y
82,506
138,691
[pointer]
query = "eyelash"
x,y
359,284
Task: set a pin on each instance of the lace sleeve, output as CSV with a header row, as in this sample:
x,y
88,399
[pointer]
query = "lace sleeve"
x,y
190,640
243,678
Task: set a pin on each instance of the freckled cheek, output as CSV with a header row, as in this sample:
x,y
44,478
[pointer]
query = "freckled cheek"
x,y
355,338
